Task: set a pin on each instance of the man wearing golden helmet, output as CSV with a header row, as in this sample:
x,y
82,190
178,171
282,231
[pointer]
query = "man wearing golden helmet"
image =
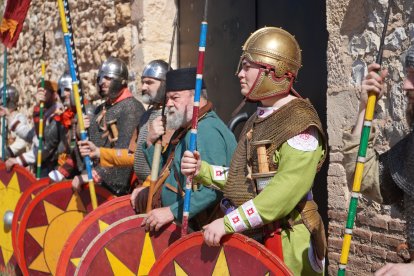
x,y
282,146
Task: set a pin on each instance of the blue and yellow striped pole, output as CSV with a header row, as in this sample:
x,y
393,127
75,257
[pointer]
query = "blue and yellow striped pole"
x,y
75,83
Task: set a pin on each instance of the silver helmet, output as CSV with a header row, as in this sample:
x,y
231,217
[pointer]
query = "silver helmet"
x,y
12,96
409,58
117,70
156,69
65,82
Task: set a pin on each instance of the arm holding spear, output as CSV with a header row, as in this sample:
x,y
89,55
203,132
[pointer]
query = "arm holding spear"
x,y
365,132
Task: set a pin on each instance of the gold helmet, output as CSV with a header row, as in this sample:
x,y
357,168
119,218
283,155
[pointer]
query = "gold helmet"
x,y
279,55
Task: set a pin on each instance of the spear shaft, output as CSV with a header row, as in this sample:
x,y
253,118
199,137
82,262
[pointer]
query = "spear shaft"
x,y
155,165
72,49
75,86
196,108
42,104
359,168
3,122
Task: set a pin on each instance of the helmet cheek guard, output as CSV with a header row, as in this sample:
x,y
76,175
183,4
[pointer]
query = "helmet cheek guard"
x,y
279,54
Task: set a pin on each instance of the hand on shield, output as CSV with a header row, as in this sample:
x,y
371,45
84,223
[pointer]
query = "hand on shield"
x,y
213,232
10,163
157,218
139,197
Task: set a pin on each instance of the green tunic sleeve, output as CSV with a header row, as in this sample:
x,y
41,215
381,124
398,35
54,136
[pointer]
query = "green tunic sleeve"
x,y
294,178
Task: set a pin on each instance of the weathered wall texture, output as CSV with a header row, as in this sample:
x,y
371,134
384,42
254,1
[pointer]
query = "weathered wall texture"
x,y
136,31
355,28
139,31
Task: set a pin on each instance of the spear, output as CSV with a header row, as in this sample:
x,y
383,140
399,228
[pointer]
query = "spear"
x,y
42,104
155,165
72,49
359,168
3,122
196,108
75,83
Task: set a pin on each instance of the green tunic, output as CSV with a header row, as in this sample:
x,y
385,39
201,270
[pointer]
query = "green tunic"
x,y
293,180
216,144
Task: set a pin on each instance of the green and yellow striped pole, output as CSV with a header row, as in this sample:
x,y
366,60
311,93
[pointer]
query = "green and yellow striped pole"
x,y
42,104
359,168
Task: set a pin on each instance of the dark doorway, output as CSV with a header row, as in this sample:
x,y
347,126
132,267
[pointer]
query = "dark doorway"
x,y
230,23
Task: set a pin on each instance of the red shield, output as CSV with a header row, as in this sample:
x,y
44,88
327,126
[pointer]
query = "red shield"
x,y
238,255
93,224
12,185
48,221
24,200
125,247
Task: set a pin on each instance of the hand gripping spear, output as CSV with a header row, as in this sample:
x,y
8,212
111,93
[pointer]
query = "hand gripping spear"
x,y
359,168
3,122
193,134
75,82
155,165
42,104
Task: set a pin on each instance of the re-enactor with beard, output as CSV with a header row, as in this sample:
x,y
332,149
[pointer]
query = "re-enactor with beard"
x,y
215,141
388,177
113,124
153,93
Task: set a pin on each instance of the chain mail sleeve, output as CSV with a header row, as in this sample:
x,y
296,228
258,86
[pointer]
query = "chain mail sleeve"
x,y
127,114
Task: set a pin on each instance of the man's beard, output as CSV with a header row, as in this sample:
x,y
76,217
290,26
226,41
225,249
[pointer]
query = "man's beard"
x,y
157,99
147,99
176,119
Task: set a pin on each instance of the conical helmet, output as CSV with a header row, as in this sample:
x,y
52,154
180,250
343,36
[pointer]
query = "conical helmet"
x,y
12,96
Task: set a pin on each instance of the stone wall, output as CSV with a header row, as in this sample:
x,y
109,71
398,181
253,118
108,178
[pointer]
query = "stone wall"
x,y
139,31
355,28
131,30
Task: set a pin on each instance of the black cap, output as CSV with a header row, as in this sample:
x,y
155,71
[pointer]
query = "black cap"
x,y
182,79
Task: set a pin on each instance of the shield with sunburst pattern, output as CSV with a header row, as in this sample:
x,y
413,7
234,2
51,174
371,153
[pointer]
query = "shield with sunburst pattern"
x,y
48,221
238,255
24,200
93,224
124,248
12,185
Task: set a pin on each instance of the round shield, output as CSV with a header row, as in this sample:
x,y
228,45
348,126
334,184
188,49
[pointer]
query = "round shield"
x,y
24,200
12,185
124,248
93,224
238,255
48,221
